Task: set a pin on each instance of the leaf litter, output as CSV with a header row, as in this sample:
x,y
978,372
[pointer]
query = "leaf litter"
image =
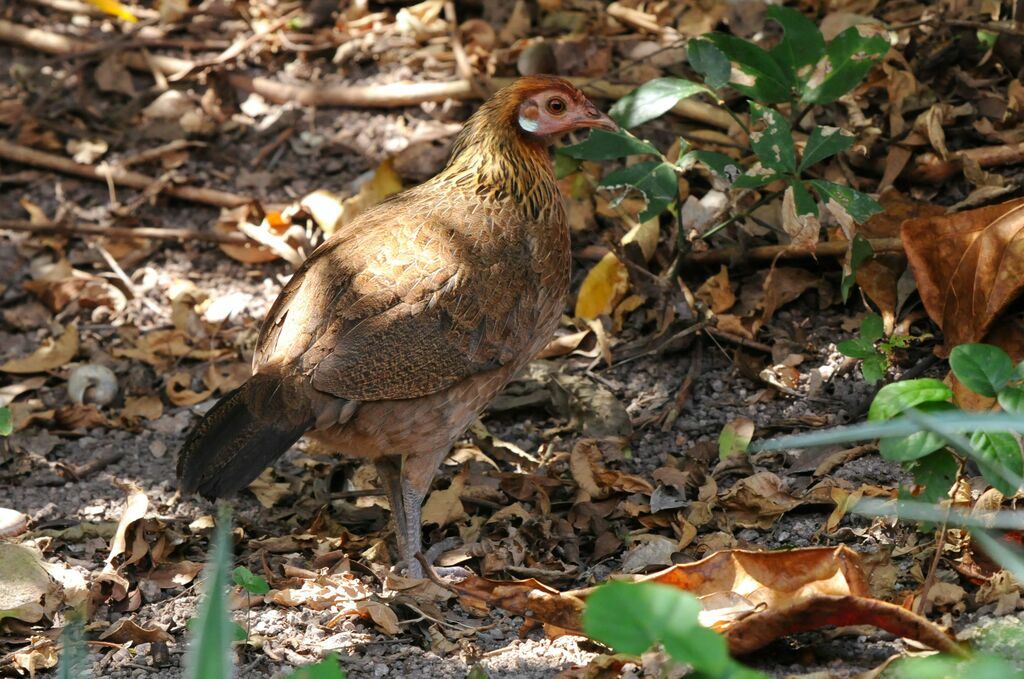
x,y
566,481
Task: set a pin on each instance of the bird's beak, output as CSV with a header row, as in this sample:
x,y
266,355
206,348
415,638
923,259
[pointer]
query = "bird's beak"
x,y
595,118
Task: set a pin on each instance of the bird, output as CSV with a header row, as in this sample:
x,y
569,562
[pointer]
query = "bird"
x,y
398,330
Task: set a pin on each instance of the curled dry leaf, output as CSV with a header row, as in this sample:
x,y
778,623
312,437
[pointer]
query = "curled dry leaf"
x,y
716,292
127,630
27,592
969,267
179,390
445,506
135,507
149,407
50,356
783,592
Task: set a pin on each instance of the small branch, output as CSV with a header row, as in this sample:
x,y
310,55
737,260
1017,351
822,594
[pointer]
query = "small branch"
x,y
121,232
730,338
769,252
121,177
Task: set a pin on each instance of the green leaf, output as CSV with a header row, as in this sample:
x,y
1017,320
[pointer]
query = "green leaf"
x,y
858,347
701,648
1011,399
872,328
735,437
936,473
250,582
893,399
564,165
803,201
327,668
801,45
606,145
774,144
631,617
756,178
860,250
999,452
874,368
849,58
772,83
920,443
722,165
823,143
209,650
983,368
654,178
6,423
710,62
651,99
861,206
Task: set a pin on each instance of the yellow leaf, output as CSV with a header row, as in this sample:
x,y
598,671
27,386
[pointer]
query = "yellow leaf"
x,y
385,182
115,8
604,285
50,356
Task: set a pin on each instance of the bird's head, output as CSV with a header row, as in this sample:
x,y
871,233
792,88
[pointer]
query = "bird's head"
x,y
547,106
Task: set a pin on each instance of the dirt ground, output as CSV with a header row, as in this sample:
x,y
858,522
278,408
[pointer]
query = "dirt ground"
x,y
323,516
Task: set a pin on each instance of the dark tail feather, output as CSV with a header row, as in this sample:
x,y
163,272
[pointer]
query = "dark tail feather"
x,y
237,439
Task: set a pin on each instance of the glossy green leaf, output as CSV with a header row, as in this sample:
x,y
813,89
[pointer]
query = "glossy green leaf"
x,y
606,145
722,165
936,473
872,327
893,399
803,201
328,668
564,165
802,43
632,617
857,347
6,423
710,62
983,368
652,99
772,83
849,57
874,368
756,178
861,206
655,179
209,653
999,453
860,251
704,649
774,143
249,581
920,443
1011,399
823,143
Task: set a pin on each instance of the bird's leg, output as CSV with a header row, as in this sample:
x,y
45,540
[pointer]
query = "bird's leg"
x,y
389,469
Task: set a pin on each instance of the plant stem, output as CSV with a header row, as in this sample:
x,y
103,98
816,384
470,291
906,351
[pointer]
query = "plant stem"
x,y
765,198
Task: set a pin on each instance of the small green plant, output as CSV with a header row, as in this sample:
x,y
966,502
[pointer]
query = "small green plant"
x,y
249,581
328,668
6,422
874,350
209,654
801,71
934,457
632,617
74,654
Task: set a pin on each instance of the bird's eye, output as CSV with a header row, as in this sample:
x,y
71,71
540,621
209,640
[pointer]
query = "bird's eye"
x,y
556,106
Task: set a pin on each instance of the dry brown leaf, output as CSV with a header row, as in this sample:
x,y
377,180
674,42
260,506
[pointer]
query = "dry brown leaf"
x,y
969,267
758,501
27,592
127,630
267,491
716,292
803,229
135,507
50,356
149,407
603,287
445,506
179,390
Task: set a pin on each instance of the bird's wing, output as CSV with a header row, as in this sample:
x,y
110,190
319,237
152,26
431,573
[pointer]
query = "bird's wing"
x,y
393,311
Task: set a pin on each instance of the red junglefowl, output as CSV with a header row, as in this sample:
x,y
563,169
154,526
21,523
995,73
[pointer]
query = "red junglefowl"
x,y
398,331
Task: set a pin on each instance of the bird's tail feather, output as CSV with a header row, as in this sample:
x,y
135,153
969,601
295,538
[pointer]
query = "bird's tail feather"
x,y
240,436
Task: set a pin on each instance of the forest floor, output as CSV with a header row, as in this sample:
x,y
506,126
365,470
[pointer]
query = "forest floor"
x,y
174,321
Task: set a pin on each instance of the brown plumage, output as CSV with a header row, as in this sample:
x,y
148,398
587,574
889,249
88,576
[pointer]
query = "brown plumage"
x,y
397,331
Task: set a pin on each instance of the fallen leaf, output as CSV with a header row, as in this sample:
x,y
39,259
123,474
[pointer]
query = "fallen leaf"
x,y
50,356
603,287
716,292
445,506
969,267
127,630
27,592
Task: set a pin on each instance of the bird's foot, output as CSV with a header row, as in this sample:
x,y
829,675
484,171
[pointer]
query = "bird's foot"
x,y
421,566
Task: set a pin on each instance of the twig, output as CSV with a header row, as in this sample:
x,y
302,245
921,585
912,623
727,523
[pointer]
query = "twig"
x,y
730,338
122,232
923,606
98,463
121,177
769,252
669,417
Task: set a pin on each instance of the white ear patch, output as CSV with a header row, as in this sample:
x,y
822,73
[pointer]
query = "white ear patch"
x,y
528,124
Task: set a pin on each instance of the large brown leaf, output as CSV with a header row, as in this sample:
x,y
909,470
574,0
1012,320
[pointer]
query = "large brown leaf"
x,y
969,267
